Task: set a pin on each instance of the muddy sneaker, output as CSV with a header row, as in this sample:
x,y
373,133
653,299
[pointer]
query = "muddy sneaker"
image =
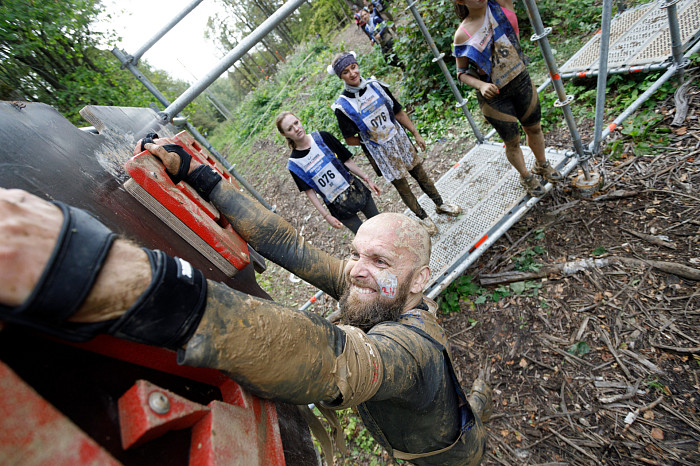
x,y
452,210
429,225
481,400
532,186
547,171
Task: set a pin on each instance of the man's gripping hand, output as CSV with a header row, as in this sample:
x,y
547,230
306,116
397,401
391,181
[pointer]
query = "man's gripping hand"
x,y
180,165
169,158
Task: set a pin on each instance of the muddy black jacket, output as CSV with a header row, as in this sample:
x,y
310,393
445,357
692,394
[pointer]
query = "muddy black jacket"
x,y
417,408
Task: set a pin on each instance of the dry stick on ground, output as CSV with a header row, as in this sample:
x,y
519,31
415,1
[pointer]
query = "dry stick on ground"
x,y
680,416
606,338
568,268
570,442
670,168
651,239
638,411
677,349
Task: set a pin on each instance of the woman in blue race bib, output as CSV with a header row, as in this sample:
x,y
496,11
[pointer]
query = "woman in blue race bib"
x,y
370,117
489,59
321,166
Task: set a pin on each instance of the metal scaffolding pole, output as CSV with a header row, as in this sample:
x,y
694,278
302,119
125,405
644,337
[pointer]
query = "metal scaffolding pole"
x,y
674,29
134,59
540,37
623,70
126,63
648,93
236,53
441,63
602,75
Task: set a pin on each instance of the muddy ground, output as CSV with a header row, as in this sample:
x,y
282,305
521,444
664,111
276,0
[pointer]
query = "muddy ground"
x,y
597,367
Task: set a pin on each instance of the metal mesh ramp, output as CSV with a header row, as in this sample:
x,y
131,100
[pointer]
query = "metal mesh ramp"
x,y
488,189
639,36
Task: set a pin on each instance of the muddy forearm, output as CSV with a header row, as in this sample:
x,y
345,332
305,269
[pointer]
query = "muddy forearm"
x,y
274,351
277,240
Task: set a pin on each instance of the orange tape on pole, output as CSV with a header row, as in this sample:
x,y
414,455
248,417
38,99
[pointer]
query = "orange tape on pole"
x,y
478,243
612,126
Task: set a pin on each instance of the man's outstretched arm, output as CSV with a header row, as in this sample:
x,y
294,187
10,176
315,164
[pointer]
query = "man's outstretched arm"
x,y
272,236
147,297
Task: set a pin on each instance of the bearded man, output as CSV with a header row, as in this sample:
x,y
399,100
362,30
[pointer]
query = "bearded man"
x,y
389,357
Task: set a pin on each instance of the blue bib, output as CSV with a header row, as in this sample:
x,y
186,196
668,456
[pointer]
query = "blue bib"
x,y
321,170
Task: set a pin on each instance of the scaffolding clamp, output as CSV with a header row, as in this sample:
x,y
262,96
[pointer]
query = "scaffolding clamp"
x,y
545,33
461,104
559,103
411,5
684,63
585,156
667,3
439,57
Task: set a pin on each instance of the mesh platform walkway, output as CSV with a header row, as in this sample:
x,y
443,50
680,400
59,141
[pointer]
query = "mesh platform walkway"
x,y
639,36
487,188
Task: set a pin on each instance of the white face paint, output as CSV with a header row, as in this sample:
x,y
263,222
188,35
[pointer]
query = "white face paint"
x,y
388,285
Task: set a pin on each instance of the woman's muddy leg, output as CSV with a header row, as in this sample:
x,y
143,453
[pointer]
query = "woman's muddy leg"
x,y
408,197
426,184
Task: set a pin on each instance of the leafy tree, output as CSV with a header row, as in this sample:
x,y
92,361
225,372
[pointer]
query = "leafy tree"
x,y
48,53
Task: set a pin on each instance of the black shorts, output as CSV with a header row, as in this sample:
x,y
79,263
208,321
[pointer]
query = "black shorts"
x,y
516,102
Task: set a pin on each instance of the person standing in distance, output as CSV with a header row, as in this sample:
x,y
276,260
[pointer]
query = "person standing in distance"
x,y
321,166
369,116
489,59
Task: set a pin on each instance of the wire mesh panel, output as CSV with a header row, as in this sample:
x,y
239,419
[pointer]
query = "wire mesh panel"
x,y
639,36
589,55
689,25
487,188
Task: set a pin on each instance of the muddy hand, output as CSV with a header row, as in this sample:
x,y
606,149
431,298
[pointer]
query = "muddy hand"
x,y
334,222
374,188
29,228
489,90
420,142
171,160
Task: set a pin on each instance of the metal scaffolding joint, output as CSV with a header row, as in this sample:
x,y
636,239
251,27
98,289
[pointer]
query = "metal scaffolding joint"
x,y
567,101
411,5
667,3
545,33
683,64
439,57
587,154
461,104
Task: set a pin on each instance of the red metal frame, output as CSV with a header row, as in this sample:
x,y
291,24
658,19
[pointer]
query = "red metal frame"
x,y
36,433
184,202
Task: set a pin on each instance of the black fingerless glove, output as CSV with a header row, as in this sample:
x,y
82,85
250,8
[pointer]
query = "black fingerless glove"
x,y
166,314
203,179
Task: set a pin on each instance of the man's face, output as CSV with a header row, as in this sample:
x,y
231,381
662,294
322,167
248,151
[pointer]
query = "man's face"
x,y
351,75
380,277
365,16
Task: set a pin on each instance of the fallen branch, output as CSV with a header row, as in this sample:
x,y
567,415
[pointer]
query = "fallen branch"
x,y
632,416
615,195
569,268
669,267
677,349
644,361
651,239
566,440
681,98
